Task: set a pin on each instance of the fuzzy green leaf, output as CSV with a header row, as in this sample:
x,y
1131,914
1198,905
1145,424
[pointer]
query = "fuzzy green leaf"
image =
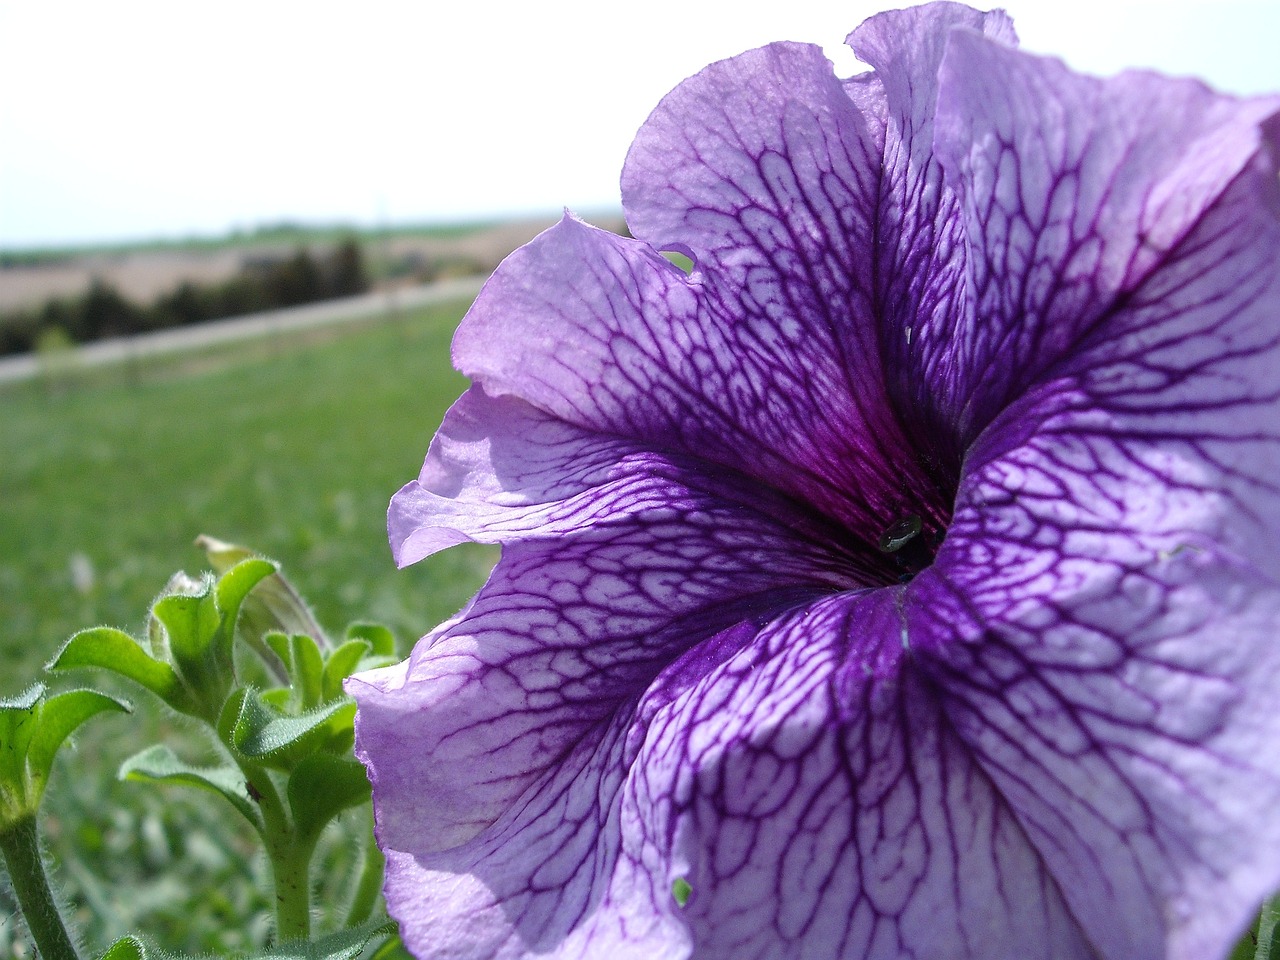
x,y
31,731
110,649
235,584
159,764
278,644
307,671
264,735
341,664
191,625
129,948
381,640
18,718
59,716
344,945
322,786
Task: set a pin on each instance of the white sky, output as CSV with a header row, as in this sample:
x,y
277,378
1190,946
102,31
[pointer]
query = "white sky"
x,y
129,118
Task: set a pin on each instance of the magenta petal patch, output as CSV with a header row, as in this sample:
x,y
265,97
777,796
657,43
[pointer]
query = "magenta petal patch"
x,y
902,582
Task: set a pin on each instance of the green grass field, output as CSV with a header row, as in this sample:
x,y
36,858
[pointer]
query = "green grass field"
x,y
292,449
106,478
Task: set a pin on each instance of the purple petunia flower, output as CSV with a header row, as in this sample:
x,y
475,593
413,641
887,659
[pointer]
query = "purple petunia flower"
x,y
903,581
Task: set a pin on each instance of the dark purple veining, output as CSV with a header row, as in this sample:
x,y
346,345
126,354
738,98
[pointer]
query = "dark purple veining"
x,y
902,581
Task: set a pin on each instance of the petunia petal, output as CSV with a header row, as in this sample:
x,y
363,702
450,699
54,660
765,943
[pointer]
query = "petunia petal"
x,y
799,777
603,333
823,808
501,470
676,722
1101,620
1072,192
765,172
1123,704
561,637
917,246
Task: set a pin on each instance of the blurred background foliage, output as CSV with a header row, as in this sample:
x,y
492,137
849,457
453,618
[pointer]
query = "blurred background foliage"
x,y
265,282
292,446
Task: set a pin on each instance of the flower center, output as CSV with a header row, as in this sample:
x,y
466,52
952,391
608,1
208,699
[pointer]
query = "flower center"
x,y
908,547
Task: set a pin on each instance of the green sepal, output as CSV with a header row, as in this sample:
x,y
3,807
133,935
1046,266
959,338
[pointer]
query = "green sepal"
x,y
109,649
263,735
274,607
382,642
191,626
1269,930
230,716
321,787
341,664
200,628
278,644
32,729
159,764
235,584
307,671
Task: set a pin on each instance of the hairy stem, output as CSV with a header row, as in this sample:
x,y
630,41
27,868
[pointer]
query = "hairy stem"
x,y
289,853
291,869
20,844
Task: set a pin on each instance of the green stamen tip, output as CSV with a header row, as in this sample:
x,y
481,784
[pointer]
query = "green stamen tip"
x,y
900,533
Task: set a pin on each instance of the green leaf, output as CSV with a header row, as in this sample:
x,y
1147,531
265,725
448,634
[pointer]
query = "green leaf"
x,y
230,716
128,948
18,718
1260,941
307,671
278,643
159,764
391,949
344,945
380,639
235,584
279,697
60,715
274,606
341,664
322,786
114,650
191,625
199,627
32,729
264,735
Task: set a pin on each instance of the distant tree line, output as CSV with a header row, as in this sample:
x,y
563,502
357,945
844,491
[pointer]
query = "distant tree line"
x,y
263,283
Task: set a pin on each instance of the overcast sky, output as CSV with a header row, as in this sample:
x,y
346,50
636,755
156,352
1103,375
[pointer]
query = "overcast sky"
x,y
130,119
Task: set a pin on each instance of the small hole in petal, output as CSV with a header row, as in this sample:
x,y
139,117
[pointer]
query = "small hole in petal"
x,y
680,891
680,260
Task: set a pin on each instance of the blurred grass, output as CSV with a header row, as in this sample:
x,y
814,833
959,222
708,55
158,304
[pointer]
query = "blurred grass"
x,y
107,476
